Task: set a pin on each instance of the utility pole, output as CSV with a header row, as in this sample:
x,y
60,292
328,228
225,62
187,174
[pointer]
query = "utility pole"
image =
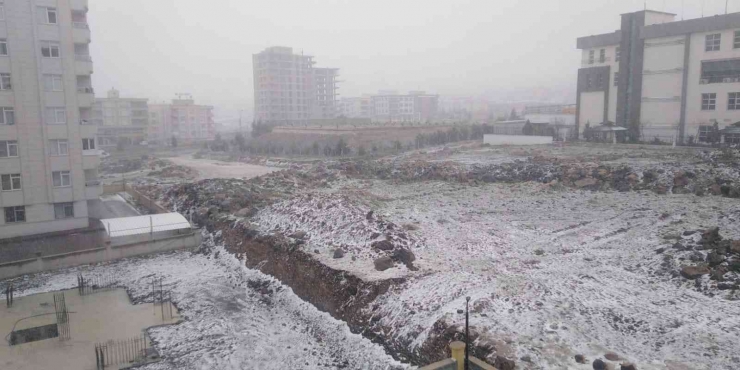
x,y
240,120
726,1
467,336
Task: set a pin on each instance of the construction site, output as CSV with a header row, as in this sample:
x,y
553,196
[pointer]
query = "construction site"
x,y
572,255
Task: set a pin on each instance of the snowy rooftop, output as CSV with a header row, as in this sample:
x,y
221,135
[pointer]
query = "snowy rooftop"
x,y
125,226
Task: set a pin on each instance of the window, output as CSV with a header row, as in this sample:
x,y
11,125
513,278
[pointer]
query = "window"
x,y
602,56
61,179
58,147
10,182
56,116
3,47
15,214
708,101
2,12
616,78
617,54
590,57
88,144
711,42
7,116
47,15
50,49
53,83
705,133
64,210
5,81
8,149
733,101
736,40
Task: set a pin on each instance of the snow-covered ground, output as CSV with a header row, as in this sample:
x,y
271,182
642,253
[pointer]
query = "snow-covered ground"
x,y
552,273
235,318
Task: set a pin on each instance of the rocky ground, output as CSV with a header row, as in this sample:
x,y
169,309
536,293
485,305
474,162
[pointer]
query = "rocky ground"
x,y
614,254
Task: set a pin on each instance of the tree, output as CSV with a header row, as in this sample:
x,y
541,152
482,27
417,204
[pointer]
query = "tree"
x,y
240,141
397,146
512,115
342,147
173,141
315,148
361,151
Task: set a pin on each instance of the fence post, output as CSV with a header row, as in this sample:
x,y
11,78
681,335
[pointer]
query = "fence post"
x,y
151,228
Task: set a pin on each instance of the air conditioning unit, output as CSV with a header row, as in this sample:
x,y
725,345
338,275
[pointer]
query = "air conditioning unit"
x,y
703,81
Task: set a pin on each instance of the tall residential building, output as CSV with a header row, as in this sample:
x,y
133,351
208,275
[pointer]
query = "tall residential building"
x,y
417,106
356,107
121,121
188,122
48,154
289,90
662,78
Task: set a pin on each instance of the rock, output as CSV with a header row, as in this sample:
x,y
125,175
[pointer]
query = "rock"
x,y
714,258
316,251
406,256
611,356
680,179
503,363
735,247
338,253
696,257
244,212
661,189
383,263
581,359
586,182
298,235
627,366
526,358
539,252
660,250
369,215
383,245
725,286
226,204
711,236
694,272
599,364
718,273
715,189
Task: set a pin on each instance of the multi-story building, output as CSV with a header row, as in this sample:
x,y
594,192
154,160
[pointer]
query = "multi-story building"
x,y
417,106
356,107
289,90
662,78
188,122
48,153
121,121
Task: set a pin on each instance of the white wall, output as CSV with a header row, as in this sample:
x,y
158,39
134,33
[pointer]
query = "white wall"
x,y
695,117
516,140
592,108
662,84
658,17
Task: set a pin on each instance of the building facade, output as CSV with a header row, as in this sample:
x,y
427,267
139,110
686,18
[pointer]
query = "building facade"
x,y
661,78
356,107
187,122
48,149
417,106
288,89
121,121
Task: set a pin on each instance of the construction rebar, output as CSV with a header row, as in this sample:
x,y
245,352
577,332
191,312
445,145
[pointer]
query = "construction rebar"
x,y
9,295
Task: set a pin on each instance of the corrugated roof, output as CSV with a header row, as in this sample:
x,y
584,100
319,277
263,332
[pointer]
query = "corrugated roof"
x,y
123,226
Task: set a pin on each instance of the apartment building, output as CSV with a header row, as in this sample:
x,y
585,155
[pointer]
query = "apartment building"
x,y
359,107
121,122
416,106
188,122
48,152
661,78
288,89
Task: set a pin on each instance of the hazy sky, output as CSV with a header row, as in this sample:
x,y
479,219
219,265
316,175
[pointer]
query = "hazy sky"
x,y
156,48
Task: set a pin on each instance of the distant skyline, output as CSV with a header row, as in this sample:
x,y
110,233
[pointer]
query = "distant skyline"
x,y
506,49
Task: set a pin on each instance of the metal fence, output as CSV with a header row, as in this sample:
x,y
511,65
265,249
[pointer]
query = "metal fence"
x,y
60,308
9,289
124,351
88,285
161,297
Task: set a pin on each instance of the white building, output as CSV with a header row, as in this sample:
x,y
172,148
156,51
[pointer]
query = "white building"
x,y
356,107
417,106
48,156
662,78
121,121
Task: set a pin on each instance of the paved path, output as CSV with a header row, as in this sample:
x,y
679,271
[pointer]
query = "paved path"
x,y
110,206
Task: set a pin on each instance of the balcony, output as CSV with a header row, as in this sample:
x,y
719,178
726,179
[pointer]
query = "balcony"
x,y
79,5
80,33
93,189
90,159
595,61
85,97
719,80
83,65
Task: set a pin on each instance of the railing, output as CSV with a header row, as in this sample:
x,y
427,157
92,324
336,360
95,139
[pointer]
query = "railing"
x,y
125,351
595,61
81,25
90,152
92,183
86,122
719,79
85,90
83,58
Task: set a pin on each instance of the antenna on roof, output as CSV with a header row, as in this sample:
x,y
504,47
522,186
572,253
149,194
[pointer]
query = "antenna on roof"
x,y
682,9
702,8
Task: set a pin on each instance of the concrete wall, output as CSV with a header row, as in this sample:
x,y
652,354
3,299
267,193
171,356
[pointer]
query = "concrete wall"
x,y
103,253
662,84
516,140
591,108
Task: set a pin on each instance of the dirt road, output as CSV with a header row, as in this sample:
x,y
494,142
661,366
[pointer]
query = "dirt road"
x,y
211,169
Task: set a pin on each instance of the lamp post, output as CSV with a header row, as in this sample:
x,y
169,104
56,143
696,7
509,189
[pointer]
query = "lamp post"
x,y
467,336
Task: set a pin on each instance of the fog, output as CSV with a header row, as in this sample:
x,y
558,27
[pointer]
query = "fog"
x,y
504,49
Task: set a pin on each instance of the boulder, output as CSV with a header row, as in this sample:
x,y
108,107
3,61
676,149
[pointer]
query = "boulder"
x,y
244,212
369,215
298,235
710,236
718,273
338,253
714,258
611,356
503,363
581,359
715,189
694,272
627,366
735,247
661,189
586,182
680,179
383,263
599,364
383,245
406,256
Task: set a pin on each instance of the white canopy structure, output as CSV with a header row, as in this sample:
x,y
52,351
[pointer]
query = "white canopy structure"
x,y
149,224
